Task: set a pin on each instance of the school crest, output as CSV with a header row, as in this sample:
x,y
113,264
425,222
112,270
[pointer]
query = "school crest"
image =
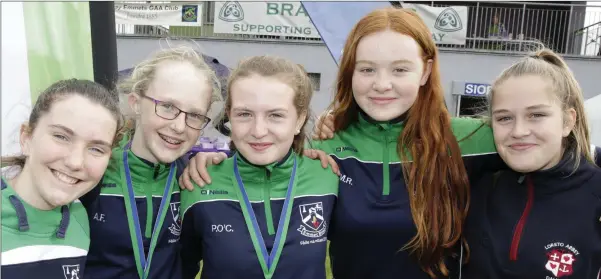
x,y
313,223
176,226
561,258
560,263
71,271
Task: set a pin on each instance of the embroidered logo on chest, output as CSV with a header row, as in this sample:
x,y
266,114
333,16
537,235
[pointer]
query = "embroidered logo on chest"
x,y
560,259
313,223
176,226
71,271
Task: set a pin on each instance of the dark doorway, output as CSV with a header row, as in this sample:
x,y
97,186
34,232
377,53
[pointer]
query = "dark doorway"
x,y
472,106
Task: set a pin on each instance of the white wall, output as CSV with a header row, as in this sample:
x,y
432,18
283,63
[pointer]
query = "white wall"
x,y
16,100
593,109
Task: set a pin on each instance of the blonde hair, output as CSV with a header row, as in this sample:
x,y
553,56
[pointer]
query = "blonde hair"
x,y
547,64
144,73
286,71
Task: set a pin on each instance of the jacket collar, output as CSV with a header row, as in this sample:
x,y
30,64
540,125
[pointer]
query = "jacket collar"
x,y
562,176
377,129
142,171
276,171
46,221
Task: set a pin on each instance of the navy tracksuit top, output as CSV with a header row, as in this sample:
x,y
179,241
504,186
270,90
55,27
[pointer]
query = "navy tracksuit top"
x,y
372,220
545,224
111,252
216,230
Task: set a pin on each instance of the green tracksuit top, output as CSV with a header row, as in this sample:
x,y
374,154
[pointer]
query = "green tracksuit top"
x,y
373,219
216,230
38,243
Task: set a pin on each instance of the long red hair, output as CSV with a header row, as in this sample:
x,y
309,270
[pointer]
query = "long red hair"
x,y
436,180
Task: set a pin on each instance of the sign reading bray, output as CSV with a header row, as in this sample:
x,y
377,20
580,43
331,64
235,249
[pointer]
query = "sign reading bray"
x,y
447,24
263,18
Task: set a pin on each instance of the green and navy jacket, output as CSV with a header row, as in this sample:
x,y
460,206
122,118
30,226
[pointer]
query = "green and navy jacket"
x,y
38,243
111,251
372,221
215,227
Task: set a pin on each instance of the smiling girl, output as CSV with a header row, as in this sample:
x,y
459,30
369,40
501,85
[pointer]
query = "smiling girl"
x,y
134,213
66,147
542,218
268,210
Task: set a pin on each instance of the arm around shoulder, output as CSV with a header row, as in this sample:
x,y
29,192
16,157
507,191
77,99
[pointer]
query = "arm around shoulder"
x,y
322,181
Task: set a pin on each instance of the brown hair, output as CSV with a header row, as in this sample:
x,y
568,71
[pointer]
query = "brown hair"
x,y
437,183
62,89
284,70
144,73
547,64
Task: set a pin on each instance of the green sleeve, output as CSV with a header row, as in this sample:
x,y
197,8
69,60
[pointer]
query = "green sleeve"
x,y
473,135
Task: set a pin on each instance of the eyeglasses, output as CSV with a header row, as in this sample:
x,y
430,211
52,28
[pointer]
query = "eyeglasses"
x,y
169,111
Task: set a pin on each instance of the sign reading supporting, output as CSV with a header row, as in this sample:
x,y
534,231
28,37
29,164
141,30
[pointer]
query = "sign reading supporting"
x,y
447,24
263,18
159,14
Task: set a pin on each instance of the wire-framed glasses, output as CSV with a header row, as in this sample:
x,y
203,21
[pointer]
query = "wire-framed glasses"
x,y
169,111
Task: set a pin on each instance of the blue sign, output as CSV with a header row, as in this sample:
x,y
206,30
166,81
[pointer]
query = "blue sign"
x,y
477,89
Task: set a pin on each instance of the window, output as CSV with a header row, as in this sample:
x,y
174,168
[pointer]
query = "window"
x,y
316,80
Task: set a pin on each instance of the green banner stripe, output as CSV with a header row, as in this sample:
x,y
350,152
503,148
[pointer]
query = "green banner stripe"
x,y
59,44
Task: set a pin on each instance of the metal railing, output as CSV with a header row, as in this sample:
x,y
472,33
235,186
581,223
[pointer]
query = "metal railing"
x,y
525,26
591,38
505,27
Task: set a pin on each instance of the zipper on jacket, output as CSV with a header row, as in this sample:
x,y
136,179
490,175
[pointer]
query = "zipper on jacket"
x,y
519,228
157,170
385,169
267,203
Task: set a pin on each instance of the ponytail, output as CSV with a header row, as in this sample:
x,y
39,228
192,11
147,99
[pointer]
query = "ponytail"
x,y
549,65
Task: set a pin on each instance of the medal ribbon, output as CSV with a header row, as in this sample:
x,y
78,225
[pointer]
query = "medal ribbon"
x,y
133,220
268,261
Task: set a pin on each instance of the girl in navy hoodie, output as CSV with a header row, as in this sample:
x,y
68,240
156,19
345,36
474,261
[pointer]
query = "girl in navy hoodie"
x,y
542,217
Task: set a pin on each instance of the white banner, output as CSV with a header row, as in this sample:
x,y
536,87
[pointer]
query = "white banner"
x,y
263,18
447,24
16,100
159,14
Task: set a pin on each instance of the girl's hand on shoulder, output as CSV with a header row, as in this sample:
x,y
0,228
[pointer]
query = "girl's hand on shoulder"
x,y
324,127
324,158
197,169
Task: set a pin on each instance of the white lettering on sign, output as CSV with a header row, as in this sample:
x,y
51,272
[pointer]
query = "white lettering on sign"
x,y
477,89
263,18
159,14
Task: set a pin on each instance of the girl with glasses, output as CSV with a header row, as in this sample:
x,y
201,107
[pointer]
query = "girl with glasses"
x,y
66,147
134,213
